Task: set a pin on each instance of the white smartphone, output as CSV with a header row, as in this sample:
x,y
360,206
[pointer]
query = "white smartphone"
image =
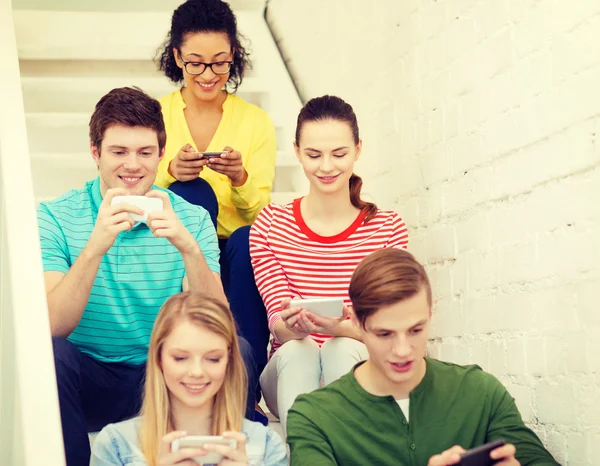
x,y
147,204
198,441
324,307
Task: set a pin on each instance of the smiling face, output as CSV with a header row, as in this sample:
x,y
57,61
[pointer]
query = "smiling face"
x,y
204,47
194,364
327,153
128,158
396,339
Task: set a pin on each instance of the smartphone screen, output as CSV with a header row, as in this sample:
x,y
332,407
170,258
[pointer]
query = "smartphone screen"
x,y
210,154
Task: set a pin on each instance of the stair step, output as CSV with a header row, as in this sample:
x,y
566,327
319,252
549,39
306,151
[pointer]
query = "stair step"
x,y
129,5
79,94
125,35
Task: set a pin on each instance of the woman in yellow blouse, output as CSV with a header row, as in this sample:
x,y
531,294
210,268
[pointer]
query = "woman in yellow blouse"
x,y
204,53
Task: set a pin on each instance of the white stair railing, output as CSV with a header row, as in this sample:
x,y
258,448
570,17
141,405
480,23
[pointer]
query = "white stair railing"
x,y
30,431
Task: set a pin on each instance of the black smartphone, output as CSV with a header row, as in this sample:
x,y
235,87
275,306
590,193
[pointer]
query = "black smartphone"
x,y
480,456
211,154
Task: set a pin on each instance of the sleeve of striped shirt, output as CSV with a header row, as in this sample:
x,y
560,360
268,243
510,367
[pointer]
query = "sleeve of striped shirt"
x,y
207,239
268,273
399,236
55,255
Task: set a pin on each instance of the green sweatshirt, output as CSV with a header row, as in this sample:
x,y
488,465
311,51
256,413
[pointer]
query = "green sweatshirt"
x,y
453,405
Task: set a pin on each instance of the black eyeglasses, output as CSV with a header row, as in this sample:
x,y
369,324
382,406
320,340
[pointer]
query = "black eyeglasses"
x,y
197,68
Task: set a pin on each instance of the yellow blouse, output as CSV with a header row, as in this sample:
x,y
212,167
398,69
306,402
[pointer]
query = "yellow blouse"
x,y
246,128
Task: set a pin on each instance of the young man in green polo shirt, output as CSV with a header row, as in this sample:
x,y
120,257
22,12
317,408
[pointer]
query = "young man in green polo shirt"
x,y
107,276
400,407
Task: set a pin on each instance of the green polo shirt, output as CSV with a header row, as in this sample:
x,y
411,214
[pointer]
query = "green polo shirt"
x,y
343,424
136,276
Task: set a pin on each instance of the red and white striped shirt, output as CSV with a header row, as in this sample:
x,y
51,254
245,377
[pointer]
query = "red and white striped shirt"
x,y
292,261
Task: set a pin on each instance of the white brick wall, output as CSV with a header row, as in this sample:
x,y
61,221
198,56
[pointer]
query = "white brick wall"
x,y
480,121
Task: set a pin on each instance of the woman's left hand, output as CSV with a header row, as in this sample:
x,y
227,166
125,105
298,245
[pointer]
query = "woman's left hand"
x,y
230,164
324,325
231,456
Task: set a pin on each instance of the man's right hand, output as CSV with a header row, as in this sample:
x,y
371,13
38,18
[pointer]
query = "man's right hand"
x,y
111,221
447,458
186,165
291,318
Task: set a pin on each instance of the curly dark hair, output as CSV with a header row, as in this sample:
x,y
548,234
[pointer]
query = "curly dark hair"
x,y
203,16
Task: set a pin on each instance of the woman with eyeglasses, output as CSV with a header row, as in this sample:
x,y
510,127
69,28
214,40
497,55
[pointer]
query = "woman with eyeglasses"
x,y
203,52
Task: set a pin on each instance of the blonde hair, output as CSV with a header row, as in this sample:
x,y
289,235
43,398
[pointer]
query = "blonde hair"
x,y
230,400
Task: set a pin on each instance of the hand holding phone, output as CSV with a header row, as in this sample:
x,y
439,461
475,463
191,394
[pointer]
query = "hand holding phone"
x,y
480,456
146,204
324,307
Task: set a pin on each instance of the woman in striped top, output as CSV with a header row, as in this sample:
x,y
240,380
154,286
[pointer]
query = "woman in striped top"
x,y
310,248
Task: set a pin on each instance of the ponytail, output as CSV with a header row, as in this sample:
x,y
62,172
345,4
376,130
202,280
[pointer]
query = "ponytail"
x,y
368,208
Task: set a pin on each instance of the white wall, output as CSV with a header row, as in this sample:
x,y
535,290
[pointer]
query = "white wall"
x,y
481,123
30,432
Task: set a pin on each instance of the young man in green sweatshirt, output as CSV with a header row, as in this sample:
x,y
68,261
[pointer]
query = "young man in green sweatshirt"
x,y
400,407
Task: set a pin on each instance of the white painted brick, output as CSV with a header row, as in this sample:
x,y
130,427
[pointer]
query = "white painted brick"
x,y
492,16
460,275
408,209
448,319
481,316
588,395
556,356
510,223
444,282
577,51
483,271
464,152
447,352
555,403
460,37
433,16
441,244
452,120
536,28
588,307
497,357
417,245
462,353
517,264
515,357
433,349
576,353
576,99
522,397
496,54
473,233
555,309
578,449
536,356
480,354
435,166
516,311
557,444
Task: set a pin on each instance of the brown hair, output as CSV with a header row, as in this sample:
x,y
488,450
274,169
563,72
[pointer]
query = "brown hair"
x,y
230,400
127,106
329,107
384,278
